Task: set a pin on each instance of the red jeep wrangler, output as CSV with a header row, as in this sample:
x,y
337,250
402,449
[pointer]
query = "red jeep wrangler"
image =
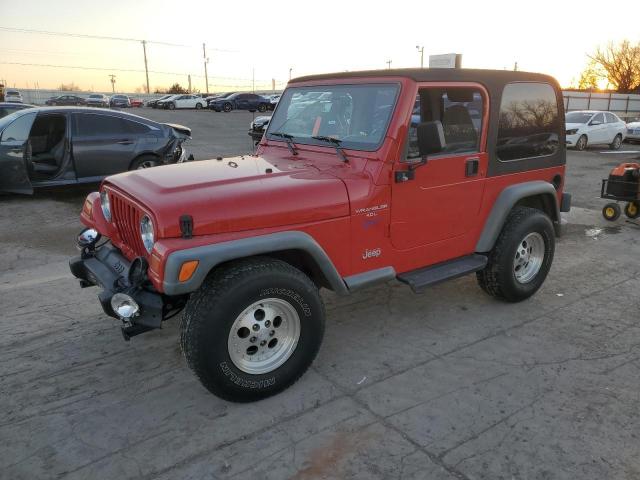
x,y
361,178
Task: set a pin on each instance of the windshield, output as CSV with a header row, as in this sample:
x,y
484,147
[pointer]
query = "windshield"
x,y
357,115
578,117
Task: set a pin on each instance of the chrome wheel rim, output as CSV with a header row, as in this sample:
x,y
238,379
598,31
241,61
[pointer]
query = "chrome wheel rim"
x,y
264,336
529,257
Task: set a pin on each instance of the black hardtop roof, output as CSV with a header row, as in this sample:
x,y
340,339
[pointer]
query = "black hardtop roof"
x,y
487,77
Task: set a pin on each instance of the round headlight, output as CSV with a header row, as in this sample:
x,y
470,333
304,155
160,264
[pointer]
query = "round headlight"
x,y
106,207
146,232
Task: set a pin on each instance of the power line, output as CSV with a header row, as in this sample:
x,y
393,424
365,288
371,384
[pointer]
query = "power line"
x,y
83,35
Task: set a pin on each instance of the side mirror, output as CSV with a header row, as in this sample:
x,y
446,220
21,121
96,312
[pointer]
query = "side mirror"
x,y
430,138
594,122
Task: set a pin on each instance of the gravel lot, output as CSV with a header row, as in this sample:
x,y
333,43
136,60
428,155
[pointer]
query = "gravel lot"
x,y
446,385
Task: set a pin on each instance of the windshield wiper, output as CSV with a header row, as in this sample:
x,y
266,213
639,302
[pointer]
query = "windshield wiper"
x,y
288,138
336,143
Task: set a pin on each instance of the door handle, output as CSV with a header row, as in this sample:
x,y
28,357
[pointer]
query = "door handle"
x,y
125,142
471,167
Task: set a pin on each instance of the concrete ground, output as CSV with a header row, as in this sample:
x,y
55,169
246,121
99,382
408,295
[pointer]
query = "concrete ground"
x,y
447,385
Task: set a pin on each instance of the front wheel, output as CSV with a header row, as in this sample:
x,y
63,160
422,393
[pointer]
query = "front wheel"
x,y
617,143
145,161
252,329
521,257
227,107
262,107
172,106
581,144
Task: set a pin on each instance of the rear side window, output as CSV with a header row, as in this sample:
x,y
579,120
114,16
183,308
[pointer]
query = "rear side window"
x,y
611,118
529,124
135,127
92,125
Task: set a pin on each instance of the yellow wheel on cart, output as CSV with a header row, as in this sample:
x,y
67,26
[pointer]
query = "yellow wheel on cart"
x,y
611,212
632,210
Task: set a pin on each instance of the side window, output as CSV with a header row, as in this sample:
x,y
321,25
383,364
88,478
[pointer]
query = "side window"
x,y
529,123
135,127
611,118
460,112
93,125
18,131
599,118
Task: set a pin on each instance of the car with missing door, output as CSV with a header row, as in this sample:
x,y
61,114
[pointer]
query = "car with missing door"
x,y
49,146
378,175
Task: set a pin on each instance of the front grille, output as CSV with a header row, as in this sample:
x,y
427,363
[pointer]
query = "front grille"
x,y
126,217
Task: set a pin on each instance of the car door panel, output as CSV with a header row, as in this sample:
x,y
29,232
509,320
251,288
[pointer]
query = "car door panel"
x,y
101,145
15,152
442,200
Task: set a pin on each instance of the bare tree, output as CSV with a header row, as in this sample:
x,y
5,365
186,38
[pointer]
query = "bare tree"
x,y
621,63
590,76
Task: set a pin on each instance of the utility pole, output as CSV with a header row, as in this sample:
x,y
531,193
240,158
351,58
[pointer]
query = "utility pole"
x,y
113,83
515,67
206,60
189,77
388,62
421,50
146,69
290,69
253,80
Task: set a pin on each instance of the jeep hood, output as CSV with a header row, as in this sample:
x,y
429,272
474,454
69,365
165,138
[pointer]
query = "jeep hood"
x,y
234,194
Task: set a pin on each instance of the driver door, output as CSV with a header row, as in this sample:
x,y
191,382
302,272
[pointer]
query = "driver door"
x,y
598,129
15,155
441,201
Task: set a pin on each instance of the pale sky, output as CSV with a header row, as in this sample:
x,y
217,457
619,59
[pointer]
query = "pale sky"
x,y
269,37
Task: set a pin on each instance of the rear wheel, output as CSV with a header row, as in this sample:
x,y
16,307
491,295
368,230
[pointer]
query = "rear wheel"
x,y
617,142
581,144
145,161
521,257
252,329
611,212
198,106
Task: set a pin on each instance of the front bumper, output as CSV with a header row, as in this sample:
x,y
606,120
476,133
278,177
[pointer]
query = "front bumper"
x,y
108,269
572,139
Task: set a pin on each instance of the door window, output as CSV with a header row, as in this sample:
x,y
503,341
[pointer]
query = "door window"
x,y
599,118
529,123
18,131
92,125
460,112
611,118
135,127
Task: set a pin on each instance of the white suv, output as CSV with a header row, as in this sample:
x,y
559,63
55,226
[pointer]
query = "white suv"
x,y
589,127
11,95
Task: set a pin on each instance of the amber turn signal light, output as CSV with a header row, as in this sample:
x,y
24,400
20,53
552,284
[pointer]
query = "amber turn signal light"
x,y
187,269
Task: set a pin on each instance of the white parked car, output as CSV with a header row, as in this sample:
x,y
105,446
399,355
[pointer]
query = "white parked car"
x,y
183,101
589,127
633,131
13,96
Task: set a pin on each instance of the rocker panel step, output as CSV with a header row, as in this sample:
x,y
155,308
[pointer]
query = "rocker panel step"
x,y
422,278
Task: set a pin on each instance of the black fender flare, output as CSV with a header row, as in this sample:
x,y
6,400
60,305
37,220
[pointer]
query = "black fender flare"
x,y
209,256
507,199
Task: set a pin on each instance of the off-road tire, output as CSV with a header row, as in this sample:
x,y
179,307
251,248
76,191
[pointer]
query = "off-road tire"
x,y
498,277
582,142
617,142
211,311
